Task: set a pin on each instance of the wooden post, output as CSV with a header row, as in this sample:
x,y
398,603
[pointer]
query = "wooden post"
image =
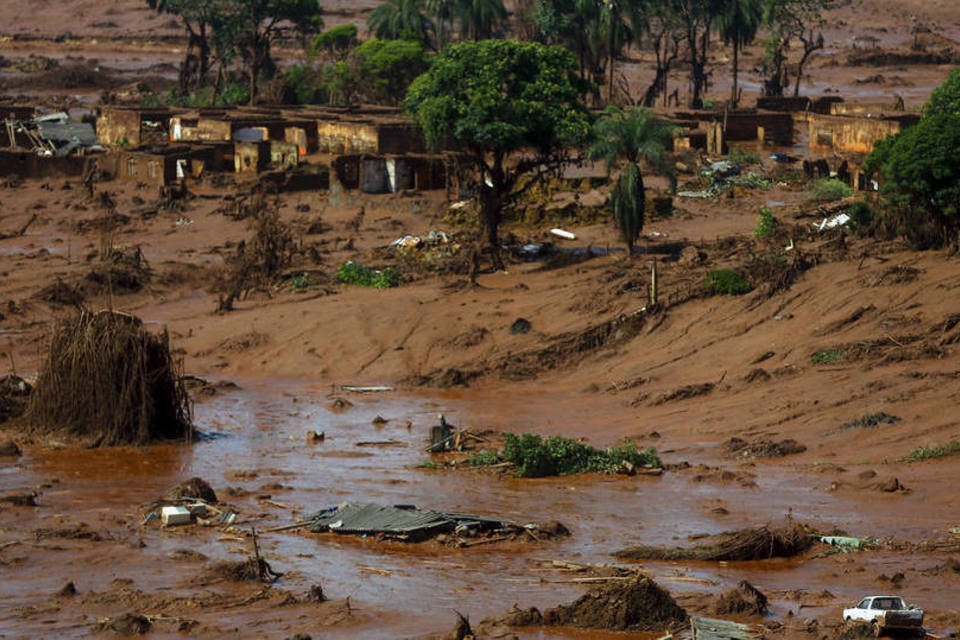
x,y
653,284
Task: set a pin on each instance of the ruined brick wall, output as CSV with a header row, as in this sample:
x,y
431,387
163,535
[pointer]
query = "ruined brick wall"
x,y
849,134
347,137
119,125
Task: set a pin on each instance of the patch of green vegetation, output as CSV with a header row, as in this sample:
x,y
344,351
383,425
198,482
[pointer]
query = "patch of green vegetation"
x,y
751,180
743,157
862,217
829,190
765,223
727,282
233,94
301,282
934,451
428,464
827,356
537,457
484,458
351,272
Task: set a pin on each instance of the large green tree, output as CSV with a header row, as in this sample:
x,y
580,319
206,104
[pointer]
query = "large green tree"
x,y
946,98
401,20
512,106
387,68
739,21
631,137
920,168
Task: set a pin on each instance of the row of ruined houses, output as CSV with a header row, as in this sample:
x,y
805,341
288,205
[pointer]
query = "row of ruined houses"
x,y
378,150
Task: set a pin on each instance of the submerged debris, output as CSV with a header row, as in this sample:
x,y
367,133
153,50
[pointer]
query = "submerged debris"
x,y
761,543
409,524
763,448
744,598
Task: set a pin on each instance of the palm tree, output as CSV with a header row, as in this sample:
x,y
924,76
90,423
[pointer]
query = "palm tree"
x,y
739,21
633,136
442,12
479,19
401,20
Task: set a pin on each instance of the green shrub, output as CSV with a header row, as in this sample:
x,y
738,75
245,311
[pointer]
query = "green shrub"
x,y
536,457
743,157
861,217
351,272
829,190
934,451
827,356
727,282
751,180
300,282
765,223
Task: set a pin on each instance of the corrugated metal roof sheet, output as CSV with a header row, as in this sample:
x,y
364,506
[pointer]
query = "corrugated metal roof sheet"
x,y
366,518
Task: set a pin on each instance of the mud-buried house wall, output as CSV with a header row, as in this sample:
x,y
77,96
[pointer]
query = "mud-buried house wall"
x,y
849,134
27,164
129,127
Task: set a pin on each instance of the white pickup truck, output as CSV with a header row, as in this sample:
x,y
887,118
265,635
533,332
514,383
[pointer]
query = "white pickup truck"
x,y
886,613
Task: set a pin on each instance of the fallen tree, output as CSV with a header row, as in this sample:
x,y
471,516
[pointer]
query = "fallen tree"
x,y
761,543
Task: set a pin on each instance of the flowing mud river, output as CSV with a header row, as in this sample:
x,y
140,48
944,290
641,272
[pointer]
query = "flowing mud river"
x,y
256,441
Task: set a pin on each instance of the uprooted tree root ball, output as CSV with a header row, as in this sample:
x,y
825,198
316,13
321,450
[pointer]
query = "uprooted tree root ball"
x,y
744,598
761,543
107,379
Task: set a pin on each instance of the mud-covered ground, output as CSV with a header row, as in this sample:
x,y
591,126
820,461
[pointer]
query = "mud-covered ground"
x,y
855,329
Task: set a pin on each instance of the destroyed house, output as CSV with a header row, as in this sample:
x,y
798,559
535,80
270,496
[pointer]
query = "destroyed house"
x,y
225,128
854,134
133,127
390,174
160,166
715,129
380,136
257,156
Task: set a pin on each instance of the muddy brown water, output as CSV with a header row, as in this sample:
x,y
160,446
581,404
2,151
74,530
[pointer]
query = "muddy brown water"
x,y
414,588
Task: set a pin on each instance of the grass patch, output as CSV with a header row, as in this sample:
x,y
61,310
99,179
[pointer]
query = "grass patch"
x,y
743,157
765,223
827,356
351,272
535,457
727,282
829,190
934,451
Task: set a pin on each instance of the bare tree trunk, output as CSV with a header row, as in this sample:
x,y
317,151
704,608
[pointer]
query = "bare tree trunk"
x,y
734,97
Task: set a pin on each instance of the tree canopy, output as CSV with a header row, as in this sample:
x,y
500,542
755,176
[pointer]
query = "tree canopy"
x,y
494,99
946,98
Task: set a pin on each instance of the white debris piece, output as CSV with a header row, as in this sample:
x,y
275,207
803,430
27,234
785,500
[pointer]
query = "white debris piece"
x,y
563,234
836,221
172,516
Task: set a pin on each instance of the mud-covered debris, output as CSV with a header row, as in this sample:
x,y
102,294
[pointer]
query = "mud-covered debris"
x,y
520,326
686,392
339,404
68,590
757,375
81,531
129,624
856,631
871,421
20,499
14,394
518,617
9,448
763,448
195,489
761,543
636,604
744,598
249,570
949,566
379,421
316,436
316,594
187,555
